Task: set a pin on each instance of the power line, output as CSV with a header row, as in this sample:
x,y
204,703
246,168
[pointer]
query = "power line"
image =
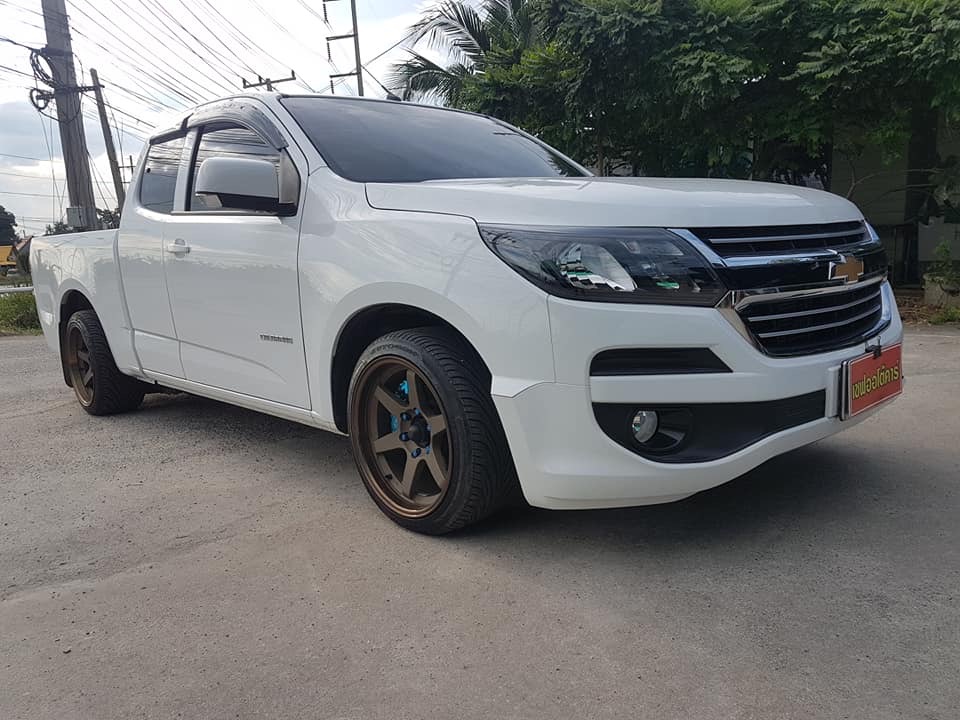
x,y
187,85
286,31
221,81
379,55
14,42
22,157
395,45
241,37
14,70
216,37
26,194
165,47
38,177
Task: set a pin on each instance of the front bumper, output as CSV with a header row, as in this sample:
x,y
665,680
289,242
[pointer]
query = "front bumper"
x,y
566,461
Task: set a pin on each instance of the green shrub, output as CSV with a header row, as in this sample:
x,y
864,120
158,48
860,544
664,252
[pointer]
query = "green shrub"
x,y
945,315
18,313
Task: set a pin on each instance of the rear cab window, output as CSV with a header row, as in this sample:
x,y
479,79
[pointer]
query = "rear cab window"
x,y
159,181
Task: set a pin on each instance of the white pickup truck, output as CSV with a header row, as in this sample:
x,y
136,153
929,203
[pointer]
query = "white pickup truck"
x,y
475,310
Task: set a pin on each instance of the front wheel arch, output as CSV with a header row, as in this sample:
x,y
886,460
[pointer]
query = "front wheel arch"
x,y
366,326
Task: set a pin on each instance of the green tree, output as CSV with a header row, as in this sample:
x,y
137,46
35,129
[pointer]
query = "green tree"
x,y
473,38
735,88
58,228
890,72
8,222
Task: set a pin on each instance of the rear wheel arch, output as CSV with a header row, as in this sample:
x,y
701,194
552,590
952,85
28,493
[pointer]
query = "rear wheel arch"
x,y
366,326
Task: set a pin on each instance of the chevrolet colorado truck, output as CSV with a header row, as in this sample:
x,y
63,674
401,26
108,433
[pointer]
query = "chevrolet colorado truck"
x,y
474,309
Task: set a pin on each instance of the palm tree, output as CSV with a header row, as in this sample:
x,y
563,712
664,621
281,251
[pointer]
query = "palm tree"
x,y
497,31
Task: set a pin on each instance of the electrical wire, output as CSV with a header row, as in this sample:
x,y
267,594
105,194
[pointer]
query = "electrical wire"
x,y
33,177
187,87
218,78
21,157
206,91
14,70
217,37
239,36
93,167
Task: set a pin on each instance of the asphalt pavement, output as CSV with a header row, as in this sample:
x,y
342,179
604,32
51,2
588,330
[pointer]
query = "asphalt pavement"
x,y
196,560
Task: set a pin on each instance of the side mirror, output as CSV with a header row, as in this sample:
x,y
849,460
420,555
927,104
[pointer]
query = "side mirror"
x,y
240,184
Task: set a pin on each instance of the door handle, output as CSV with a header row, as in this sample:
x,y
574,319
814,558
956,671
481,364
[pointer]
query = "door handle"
x,y
178,247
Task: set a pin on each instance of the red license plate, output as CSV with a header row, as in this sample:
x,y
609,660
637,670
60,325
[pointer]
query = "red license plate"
x,y
872,379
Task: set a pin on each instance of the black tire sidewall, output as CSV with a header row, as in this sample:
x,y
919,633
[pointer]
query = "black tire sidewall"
x,y
81,322
462,437
112,390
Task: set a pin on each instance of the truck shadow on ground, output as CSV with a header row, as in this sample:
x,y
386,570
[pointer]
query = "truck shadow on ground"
x,y
807,489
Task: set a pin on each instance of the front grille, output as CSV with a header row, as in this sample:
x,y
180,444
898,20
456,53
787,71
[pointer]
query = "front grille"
x,y
748,241
803,324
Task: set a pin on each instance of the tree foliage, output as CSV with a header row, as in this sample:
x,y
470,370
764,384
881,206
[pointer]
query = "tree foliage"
x,y
58,228
735,88
8,222
473,38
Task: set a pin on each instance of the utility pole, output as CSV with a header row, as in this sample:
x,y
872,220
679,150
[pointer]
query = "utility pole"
x,y
108,140
267,82
355,34
59,53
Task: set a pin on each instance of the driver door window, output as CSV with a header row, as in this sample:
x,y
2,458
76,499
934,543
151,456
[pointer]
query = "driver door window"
x,y
227,141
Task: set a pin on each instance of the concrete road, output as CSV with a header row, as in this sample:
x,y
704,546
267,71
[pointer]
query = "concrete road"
x,y
196,560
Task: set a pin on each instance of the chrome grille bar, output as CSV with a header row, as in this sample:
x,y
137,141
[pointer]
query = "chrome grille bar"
x,y
789,238
816,328
803,313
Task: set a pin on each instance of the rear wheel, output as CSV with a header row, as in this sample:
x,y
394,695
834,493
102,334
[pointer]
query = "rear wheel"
x,y
425,434
99,386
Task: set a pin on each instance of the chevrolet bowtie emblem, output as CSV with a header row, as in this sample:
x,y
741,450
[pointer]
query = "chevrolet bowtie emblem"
x,y
848,269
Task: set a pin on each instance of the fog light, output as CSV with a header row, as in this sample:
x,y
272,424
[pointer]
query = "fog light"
x,y
644,425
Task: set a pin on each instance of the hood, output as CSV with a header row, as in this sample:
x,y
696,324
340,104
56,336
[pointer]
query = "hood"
x,y
650,202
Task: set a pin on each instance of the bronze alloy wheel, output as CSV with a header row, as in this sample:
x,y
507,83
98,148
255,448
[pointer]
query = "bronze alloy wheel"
x,y
79,366
404,439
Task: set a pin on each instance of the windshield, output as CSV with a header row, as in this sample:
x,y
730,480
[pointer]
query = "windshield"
x,y
369,141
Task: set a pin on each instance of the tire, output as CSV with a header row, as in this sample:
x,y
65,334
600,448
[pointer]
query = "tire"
x,y
451,391
100,387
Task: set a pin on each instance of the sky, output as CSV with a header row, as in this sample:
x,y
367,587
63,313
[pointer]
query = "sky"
x,y
156,57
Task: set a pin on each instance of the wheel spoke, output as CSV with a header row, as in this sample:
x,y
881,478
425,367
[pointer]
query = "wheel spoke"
x,y
88,376
387,443
413,395
388,401
83,356
437,423
433,465
409,473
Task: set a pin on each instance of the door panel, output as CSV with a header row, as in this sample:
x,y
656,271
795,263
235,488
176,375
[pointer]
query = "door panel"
x,y
233,284
236,304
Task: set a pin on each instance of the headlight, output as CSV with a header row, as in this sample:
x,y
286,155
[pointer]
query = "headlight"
x,y
636,265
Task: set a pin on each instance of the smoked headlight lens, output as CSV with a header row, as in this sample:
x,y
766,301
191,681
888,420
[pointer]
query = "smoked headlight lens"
x,y
636,265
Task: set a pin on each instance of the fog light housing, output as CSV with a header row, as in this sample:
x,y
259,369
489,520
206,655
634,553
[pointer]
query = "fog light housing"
x,y
644,425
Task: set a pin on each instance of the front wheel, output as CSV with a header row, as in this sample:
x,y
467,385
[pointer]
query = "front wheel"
x,y
425,434
100,387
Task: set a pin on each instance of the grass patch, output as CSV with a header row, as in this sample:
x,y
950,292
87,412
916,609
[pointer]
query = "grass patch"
x,y
18,314
945,315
